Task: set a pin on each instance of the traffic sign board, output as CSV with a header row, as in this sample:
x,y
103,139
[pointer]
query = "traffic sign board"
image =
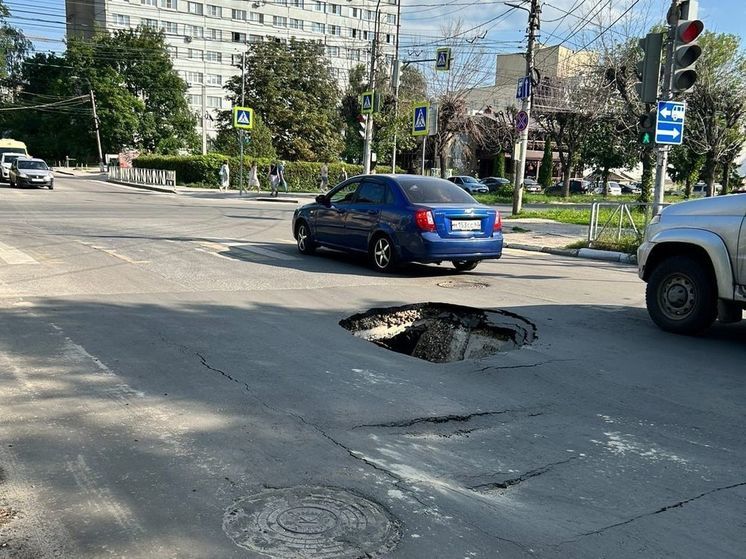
x,y
366,102
521,121
243,117
420,119
669,123
443,59
524,88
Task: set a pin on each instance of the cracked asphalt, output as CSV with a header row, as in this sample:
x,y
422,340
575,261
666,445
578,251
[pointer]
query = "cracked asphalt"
x,y
163,357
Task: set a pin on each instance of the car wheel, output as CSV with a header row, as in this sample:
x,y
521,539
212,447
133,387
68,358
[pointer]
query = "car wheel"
x,y
51,186
465,265
681,296
382,254
306,244
11,184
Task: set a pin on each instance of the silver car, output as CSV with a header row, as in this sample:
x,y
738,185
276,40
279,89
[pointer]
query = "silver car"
x,y
30,172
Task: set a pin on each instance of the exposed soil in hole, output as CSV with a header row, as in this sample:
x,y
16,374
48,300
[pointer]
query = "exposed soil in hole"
x,y
442,333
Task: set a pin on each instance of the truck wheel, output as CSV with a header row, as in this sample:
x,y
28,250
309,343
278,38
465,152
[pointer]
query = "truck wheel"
x,y
681,296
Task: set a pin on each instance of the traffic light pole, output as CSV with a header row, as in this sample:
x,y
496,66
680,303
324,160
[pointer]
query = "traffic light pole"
x,y
533,23
372,81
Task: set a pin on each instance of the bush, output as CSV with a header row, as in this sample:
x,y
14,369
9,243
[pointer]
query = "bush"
x,y
204,170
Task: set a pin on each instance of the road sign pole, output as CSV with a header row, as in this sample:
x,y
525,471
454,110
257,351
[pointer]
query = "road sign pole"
x,y
424,143
241,132
101,163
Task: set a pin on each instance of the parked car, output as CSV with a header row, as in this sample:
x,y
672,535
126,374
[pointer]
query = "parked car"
x,y
613,187
577,186
30,172
401,218
530,185
495,183
6,160
631,188
470,184
691,259
699,190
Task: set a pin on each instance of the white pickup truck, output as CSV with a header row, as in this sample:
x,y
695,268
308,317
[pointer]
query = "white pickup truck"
x,y
693,259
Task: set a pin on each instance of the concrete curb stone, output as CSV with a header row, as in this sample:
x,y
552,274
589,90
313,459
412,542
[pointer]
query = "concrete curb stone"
x,y
588,253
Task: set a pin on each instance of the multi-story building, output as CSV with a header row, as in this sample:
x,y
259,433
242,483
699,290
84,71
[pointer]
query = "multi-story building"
x,y
206,38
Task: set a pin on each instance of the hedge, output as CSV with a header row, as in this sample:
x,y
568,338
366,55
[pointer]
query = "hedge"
x,y
205,169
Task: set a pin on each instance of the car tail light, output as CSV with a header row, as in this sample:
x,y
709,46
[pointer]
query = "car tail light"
x,y
498,223
424,220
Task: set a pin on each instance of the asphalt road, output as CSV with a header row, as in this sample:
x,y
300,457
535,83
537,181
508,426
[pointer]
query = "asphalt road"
x,y
165,358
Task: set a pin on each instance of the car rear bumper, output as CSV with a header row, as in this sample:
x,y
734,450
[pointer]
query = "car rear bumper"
x,y
430,247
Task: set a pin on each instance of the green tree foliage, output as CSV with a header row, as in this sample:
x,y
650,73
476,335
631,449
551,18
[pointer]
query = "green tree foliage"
x,y
14,47
547,164
685,166
291,88
498,165
258,142
610,144
140,98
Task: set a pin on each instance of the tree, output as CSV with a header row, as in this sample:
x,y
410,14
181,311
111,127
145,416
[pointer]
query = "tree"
x,y
610,144
545,171
685,166
290,86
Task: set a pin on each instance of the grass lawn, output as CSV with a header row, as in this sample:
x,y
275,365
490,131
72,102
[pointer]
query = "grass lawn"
x,y
496,198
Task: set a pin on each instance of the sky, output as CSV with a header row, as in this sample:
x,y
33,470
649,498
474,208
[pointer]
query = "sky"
x,y
486,26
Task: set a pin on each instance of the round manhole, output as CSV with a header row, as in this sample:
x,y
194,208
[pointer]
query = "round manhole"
x,y
462,284
440,332
318,522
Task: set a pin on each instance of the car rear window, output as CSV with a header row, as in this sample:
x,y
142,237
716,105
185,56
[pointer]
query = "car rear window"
x,y
426,190
31,164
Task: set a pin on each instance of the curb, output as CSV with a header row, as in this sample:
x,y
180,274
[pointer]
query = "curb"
x,y
278,199
146,186
587,253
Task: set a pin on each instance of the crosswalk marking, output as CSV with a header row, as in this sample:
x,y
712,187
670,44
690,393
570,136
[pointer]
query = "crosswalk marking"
x,y
11,255
245,247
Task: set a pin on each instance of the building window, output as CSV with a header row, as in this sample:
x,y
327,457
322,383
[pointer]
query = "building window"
x,y
214,79
149,3
194,8
281,2
193,77
318,27
353,54
334,72
195,100
239,15
319,6
213,56
170,27
214,11
354,33
194,31
365,35
256,18
391,18
296,23
335,9
122,20
172,51
368,15
296,3
388,38
255,38
335,30
151,23
357,13
238,37
194,54
214,34
169,4
332,52
236,60
215,102
279,21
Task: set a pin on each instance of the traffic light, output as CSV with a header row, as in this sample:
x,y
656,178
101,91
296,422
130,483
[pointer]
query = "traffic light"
x,y
362,120
649,68
647,128
685,49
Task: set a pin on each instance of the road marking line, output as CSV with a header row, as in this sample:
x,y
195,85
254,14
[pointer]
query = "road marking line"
x,y
245,247
115,254
11,255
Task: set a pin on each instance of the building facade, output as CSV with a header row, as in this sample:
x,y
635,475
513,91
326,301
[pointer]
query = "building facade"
x,y
206,39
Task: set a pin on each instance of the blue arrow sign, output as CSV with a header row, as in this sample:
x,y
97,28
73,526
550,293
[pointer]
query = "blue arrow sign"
x,y
669,123
524,88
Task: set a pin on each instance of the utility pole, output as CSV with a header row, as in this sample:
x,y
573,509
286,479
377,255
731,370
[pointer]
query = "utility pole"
x,y
241,132
101,163
204,120
533,25
396,76
372,81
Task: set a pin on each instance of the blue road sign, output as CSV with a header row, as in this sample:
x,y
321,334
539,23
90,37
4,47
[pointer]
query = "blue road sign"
x,y
669,123
524,88
419,119
243,117
443,59
521,121
367,101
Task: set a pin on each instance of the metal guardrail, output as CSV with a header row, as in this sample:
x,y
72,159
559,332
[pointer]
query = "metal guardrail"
x,y
620,221
157,178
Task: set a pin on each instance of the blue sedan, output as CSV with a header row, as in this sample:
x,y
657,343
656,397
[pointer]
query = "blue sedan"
x,y
401,218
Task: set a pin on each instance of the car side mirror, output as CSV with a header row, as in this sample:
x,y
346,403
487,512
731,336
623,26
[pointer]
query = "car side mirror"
x,y
323,200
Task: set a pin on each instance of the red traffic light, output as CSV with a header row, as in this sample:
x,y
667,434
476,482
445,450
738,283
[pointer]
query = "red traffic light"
x,y
362,118
688,31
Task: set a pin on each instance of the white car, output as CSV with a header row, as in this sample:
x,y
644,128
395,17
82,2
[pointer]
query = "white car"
x,y
6,160
614,189
699,190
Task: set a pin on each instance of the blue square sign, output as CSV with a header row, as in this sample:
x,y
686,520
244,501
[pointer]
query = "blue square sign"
x,y
420,119
669,123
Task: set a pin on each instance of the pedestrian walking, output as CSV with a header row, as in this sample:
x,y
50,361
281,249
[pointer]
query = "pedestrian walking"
x,y
281,175
343,174
324,177
274,179
253,177
225,175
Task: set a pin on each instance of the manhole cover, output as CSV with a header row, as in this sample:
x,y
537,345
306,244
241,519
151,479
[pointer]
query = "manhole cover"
x,y
442,333
318,522
462,284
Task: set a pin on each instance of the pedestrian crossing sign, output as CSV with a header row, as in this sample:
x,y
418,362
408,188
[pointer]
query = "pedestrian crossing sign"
x,y
420,120
243,117
367,102
443,59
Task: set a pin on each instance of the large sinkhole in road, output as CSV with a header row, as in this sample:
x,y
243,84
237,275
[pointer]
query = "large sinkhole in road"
x,y
440,332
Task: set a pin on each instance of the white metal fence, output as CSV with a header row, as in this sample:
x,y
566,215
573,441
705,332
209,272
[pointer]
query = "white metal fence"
x,y
144,177
612,221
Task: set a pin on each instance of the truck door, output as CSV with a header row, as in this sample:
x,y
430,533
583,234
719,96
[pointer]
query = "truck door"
x,y
741,272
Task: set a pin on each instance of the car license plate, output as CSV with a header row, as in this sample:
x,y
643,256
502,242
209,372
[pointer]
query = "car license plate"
x,y
466,225
37,180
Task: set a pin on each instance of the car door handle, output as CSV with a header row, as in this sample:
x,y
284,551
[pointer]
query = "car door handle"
x,y
341,210
373,212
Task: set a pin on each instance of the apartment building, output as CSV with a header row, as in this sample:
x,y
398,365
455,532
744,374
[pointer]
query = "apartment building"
x,y
206,38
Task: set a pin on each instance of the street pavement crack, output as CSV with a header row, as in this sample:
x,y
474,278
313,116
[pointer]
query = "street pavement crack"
x,y
526,366
482,487
435,419
676,505
226,375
